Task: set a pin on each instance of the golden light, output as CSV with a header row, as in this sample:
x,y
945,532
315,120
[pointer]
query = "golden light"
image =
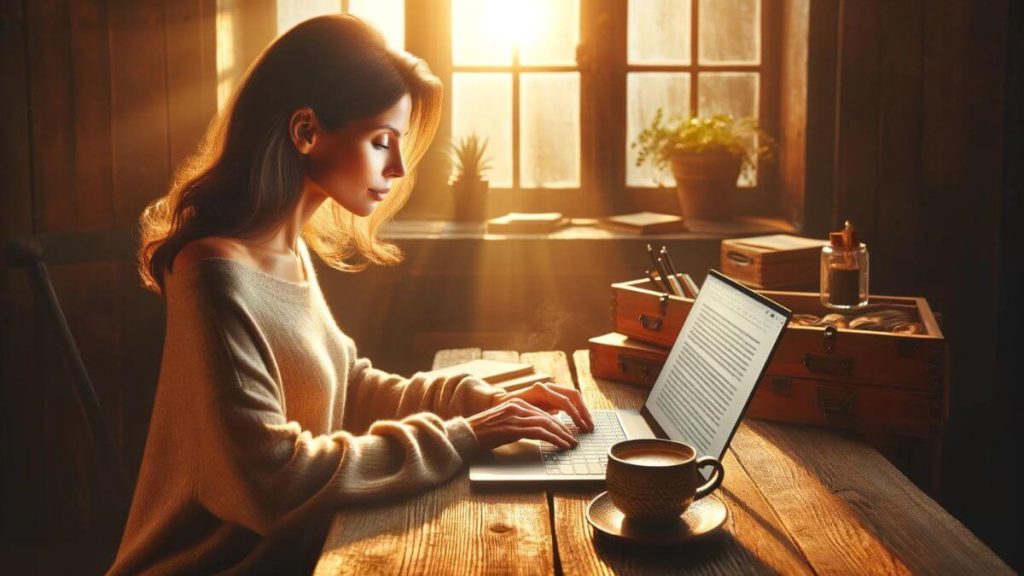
x,y
515,23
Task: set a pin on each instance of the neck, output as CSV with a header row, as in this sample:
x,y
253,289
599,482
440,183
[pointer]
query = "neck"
x,y
285,238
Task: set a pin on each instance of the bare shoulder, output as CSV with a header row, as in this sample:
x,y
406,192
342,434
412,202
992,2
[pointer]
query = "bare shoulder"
x,y
209,247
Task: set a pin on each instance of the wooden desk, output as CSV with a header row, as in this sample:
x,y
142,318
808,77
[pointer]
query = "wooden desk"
x,y
800,500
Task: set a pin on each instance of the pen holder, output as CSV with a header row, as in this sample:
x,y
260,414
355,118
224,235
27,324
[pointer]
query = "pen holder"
x,y
643,311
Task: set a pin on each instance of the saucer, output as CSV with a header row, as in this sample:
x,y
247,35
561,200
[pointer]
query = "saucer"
x,y
700,519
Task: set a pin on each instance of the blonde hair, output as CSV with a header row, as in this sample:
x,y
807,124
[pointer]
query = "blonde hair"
x,y
246,175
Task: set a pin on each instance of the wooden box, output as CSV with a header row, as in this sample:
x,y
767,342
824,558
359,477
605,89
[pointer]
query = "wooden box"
x,y
642,312
890,389
614,356
878,410
778,261
909,361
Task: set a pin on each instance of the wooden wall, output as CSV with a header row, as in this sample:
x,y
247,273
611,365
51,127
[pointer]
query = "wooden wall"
x,y
918,166
101,99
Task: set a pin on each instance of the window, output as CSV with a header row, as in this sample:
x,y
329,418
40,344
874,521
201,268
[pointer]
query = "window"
x,y
515,82
558,130
691,57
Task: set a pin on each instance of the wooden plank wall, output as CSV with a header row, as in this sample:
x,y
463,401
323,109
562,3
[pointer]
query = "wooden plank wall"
x,y
919,160
101,99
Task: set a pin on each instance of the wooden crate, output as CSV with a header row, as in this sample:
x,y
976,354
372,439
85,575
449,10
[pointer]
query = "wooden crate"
x,y
889,389
778,261
641,311
613,356
913,361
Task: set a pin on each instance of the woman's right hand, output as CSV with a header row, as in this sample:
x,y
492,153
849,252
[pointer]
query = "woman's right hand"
x,y
516,419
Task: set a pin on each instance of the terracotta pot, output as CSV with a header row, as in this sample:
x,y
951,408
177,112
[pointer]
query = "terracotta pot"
x,y
706,183
470,200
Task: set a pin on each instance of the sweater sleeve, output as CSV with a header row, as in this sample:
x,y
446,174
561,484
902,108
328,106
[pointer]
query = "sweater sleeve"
x,y
255,468
374,394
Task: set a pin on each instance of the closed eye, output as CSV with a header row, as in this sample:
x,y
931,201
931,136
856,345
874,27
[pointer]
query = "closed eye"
x,y
381,146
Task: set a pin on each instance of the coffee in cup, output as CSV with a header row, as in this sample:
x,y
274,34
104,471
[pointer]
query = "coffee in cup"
x,y
653,480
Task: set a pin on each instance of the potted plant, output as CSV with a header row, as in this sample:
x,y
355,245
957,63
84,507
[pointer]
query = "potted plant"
x,y
468,184
706,155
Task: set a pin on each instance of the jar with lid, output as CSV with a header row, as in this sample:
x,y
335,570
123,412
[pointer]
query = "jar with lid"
x,y
844,271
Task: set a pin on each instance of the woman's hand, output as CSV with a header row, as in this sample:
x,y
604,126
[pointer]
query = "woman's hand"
x,y
527,414
514,419
553,398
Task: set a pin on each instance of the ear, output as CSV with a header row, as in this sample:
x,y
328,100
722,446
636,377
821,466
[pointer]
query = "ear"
x,y
303,128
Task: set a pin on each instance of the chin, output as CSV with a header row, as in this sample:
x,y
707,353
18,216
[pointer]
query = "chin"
x,y
362,208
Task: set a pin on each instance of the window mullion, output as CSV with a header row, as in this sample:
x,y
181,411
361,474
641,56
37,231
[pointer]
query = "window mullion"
x,y
428,35
694,56
516,181
601,59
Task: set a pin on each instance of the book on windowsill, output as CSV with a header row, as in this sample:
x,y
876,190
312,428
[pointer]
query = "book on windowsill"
x,y
526,222
509,376
644,223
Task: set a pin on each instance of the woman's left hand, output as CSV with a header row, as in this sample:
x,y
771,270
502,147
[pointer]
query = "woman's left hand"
x,y
552,398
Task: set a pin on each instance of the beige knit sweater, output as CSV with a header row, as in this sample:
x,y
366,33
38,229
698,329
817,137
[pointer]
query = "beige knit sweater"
x,y
266,422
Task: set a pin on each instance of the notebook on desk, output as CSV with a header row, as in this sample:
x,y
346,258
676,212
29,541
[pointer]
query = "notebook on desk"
x,y
699,398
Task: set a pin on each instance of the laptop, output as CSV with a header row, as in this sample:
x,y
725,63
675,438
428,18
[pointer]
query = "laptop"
x,y
699,398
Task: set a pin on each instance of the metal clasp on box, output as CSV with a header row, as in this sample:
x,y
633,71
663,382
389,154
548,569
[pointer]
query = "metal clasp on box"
x,y
646,369
827,363
654,324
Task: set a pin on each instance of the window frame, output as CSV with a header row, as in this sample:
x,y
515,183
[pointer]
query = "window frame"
x,y
601,61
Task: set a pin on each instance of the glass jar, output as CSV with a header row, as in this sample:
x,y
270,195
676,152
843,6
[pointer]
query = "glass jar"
x,y
844,277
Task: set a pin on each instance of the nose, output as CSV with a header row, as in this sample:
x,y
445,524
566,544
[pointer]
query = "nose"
x,y
396,165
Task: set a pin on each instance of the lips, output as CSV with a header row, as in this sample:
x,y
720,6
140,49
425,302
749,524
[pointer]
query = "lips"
x,y
378,193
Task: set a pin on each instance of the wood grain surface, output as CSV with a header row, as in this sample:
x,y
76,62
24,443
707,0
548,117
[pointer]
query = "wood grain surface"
x,y
801,500
450,529
850,510
752,541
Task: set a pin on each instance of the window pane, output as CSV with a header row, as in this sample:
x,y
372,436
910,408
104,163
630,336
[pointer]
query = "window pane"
x,y
482,105
227,69
387,15
659,31
646,92
476,33
553,32
730,31
291,12
550,136
730,93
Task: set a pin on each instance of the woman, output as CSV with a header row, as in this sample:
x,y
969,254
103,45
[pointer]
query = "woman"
x,y
265,420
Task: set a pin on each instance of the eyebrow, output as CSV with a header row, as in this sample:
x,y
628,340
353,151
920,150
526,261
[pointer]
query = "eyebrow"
x,y
392,129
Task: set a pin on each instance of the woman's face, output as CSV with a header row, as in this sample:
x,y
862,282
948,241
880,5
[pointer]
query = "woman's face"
x,y
354,165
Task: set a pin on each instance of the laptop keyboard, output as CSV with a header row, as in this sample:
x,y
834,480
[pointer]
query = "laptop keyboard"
x,y
591,456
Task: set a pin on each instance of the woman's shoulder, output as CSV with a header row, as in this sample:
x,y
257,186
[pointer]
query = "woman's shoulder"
x,y
210,247
230,264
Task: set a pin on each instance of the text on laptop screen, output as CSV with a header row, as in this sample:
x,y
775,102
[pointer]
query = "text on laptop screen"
x,y
714,366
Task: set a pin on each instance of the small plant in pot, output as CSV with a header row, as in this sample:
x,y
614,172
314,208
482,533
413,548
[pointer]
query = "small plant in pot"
x,y
468,184
706,155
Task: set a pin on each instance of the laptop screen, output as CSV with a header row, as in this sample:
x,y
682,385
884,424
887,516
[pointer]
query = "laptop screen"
x,y
722,350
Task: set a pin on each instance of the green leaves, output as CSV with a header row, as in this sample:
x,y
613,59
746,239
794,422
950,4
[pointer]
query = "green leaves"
x,y
712,134
468,157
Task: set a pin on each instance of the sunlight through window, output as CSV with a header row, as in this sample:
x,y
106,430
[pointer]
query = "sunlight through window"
x,y
515,82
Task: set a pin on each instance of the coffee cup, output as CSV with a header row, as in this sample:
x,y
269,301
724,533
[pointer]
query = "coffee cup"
x,y
652,480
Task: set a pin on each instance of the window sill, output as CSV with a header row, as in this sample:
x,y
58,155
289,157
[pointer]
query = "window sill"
x,y
581,229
